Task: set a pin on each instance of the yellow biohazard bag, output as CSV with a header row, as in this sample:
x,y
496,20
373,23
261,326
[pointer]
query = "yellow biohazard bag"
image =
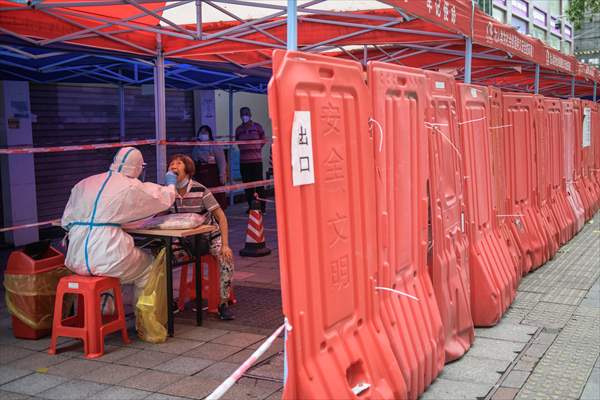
x,y
30,297
151,307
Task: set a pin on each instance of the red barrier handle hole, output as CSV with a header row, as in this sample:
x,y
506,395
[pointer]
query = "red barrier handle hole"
x,y
326,73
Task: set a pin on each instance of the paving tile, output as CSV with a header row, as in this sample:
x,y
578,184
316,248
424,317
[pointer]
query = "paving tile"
x,y
202,334
8,374
73,390
526,300
176,346
120,393
507,331
278,395
443,389
537,350
238,339
473,369
505,393
549,315
565,295
213,351
495,349
74,368
111,373
146,359
220,371
184,365
545,338
115,353
9,353
525,365
195,387
515,379
33,384
161,396
4,395
38,360
251,389
592,387
151,381
241,356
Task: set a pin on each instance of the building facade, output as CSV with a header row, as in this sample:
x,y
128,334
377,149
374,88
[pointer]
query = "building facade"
x,y
587,40
542,19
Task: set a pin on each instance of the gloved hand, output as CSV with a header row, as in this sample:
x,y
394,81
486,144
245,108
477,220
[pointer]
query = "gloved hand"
x,y
170,178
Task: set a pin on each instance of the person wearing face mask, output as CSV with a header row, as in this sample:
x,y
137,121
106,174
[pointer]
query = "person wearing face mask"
x,y
211,166
193,197
251,166
97,208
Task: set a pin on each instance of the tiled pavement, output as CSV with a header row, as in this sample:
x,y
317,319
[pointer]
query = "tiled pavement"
x,y
546,346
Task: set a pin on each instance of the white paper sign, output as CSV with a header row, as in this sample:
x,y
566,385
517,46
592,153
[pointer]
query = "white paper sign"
x,y
303,171
587,118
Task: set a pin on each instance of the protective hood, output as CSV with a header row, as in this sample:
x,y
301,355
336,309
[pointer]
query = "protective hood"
x,y
128,161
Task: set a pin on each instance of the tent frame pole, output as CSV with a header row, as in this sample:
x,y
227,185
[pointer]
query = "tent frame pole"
x,y
292,25
160,112
536,82
468,59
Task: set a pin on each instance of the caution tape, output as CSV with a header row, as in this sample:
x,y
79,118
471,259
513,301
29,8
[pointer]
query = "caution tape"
x,y
233,378
213,143
96,146
238,186
14,228
60,149
217,189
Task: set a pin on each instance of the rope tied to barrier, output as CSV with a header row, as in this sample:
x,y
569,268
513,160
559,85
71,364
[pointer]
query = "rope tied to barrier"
x,y
434,128
373,120
398,292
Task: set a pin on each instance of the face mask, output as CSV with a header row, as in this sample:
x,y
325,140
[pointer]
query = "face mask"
x,y
245,118
183,183
203,137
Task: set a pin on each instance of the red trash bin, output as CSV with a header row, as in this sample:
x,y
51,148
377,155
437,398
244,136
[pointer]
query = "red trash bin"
x,y
30,282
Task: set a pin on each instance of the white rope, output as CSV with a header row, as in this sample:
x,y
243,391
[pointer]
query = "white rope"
x,y
501,126
509,215
380,132
471,120
397,292
433,127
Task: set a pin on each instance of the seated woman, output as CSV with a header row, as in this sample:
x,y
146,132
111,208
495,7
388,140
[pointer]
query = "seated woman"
x,y
194,197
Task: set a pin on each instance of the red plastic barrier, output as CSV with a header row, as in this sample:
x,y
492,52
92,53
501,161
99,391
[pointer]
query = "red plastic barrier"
x,y
499,182
595,159
556,164
336,347
542,182
568,118
588,109
521,170
449,261
493,279
414,328
578,175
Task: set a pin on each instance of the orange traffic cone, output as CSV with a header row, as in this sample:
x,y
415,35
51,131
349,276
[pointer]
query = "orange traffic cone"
x,y
255,234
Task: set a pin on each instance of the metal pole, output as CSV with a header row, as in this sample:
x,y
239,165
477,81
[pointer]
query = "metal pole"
x,y
595,84
468,59
292,25
160,113
536,83
121,112
199,19
231,138
573,86
365,54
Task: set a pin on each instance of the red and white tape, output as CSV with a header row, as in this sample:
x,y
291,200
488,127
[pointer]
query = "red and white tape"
x,y
233,378
217,189
60,149
14,228
238,186
214,143
96,146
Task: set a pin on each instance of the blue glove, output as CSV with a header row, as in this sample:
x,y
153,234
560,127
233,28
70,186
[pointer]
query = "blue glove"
x,y
170,178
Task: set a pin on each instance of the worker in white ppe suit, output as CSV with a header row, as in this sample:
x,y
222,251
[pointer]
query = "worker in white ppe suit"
x,y
97,208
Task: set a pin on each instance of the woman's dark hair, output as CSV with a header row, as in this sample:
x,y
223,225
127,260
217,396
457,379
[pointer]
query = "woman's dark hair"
x,y
190,166
207,129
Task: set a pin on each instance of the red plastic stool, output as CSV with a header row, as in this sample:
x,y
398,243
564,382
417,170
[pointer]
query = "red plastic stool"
x,y
88,324
211,287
